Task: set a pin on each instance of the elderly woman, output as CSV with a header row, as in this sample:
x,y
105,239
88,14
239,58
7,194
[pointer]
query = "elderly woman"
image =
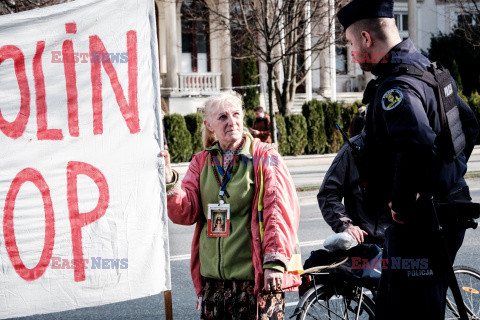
x,y
231,268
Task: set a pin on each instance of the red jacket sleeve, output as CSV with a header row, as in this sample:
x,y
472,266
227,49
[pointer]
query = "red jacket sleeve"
x,y
183,200
281,213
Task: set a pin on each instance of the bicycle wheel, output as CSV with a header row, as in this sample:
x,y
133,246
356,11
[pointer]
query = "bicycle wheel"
x,y
323,305
469,283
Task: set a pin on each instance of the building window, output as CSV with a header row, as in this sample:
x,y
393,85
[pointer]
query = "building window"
x,y
195,42
401,19
341,59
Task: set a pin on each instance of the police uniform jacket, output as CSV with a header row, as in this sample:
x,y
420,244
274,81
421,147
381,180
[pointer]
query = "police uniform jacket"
x,y
402,155
342,181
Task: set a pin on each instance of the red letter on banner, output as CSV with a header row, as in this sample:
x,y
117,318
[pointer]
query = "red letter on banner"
x,y
71,83
79,220
34,176
129,110
16,128
42,132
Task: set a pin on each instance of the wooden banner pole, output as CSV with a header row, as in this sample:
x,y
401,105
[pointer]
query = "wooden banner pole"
x,y
167,298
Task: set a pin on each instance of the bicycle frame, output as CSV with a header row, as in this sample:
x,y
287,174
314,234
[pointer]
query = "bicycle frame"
x,y
317,284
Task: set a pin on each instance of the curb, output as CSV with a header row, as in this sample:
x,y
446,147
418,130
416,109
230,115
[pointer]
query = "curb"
x,y
298,161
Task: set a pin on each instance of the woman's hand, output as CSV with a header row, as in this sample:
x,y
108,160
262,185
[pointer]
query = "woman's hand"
x,y
168,169
272,279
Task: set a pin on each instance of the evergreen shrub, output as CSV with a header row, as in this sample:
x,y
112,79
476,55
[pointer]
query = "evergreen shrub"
x,y
249,118
460,57
314,116
474,103
296,133
178,138
348,113
249,76
283,147
333,115
194,125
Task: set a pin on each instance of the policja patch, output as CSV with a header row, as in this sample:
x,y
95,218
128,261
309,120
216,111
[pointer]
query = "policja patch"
x,y
391,99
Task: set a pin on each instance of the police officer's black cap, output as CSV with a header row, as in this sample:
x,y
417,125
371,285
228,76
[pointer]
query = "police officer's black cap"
x,y
364,9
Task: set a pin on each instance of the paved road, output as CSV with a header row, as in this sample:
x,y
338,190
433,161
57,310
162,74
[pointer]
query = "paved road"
x,y
310,173
313,230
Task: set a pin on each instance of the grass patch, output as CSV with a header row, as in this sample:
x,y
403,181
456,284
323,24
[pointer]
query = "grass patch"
x,y
472,175
314,188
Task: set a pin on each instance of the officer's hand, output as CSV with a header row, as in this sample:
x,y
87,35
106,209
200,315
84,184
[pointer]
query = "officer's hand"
x,y
272,280
397,217
356,232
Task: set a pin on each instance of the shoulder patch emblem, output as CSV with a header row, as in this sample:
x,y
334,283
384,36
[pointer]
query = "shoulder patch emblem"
x,y
391,99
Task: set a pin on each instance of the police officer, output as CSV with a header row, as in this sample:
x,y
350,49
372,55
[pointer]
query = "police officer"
x,y
403,161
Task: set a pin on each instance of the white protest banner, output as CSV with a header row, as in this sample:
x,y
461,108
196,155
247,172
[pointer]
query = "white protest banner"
x,y
83,203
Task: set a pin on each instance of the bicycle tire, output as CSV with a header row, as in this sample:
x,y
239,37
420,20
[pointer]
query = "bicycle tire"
x,y
316,308
470,290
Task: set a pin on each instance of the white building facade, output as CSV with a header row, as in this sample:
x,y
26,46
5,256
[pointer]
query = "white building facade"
x,y
196,55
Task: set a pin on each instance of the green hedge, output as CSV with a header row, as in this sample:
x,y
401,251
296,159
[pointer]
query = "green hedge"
x,y
333,115
459,56
348,113
249,118
315,119
194,125
283,147
474,103
314,131
178,138
296,133
249,76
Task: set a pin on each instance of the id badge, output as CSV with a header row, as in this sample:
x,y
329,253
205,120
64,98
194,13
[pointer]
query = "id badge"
x,y
218,220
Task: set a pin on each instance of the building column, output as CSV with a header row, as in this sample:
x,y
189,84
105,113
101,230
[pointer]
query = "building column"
x,y
179,36
333,60
215,65
220,42
171,44
308,54
162,35
412,22
225,46
325,84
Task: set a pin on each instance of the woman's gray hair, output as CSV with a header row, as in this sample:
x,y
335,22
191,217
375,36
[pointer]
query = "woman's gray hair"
x,y
232,97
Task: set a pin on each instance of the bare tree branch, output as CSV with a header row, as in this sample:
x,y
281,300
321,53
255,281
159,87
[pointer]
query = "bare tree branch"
x,y
470,26
12,6
278,32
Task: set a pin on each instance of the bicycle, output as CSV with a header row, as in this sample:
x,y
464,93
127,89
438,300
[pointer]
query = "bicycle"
x,y
331,292
469,283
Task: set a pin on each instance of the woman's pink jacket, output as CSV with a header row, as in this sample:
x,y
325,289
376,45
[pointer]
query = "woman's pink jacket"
x,y
281,213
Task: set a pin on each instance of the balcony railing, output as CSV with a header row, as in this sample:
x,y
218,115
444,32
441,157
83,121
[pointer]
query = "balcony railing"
x,y
199,83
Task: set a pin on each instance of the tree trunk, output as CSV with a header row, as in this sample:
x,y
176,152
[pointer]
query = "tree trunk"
x,y
270,102
292,87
